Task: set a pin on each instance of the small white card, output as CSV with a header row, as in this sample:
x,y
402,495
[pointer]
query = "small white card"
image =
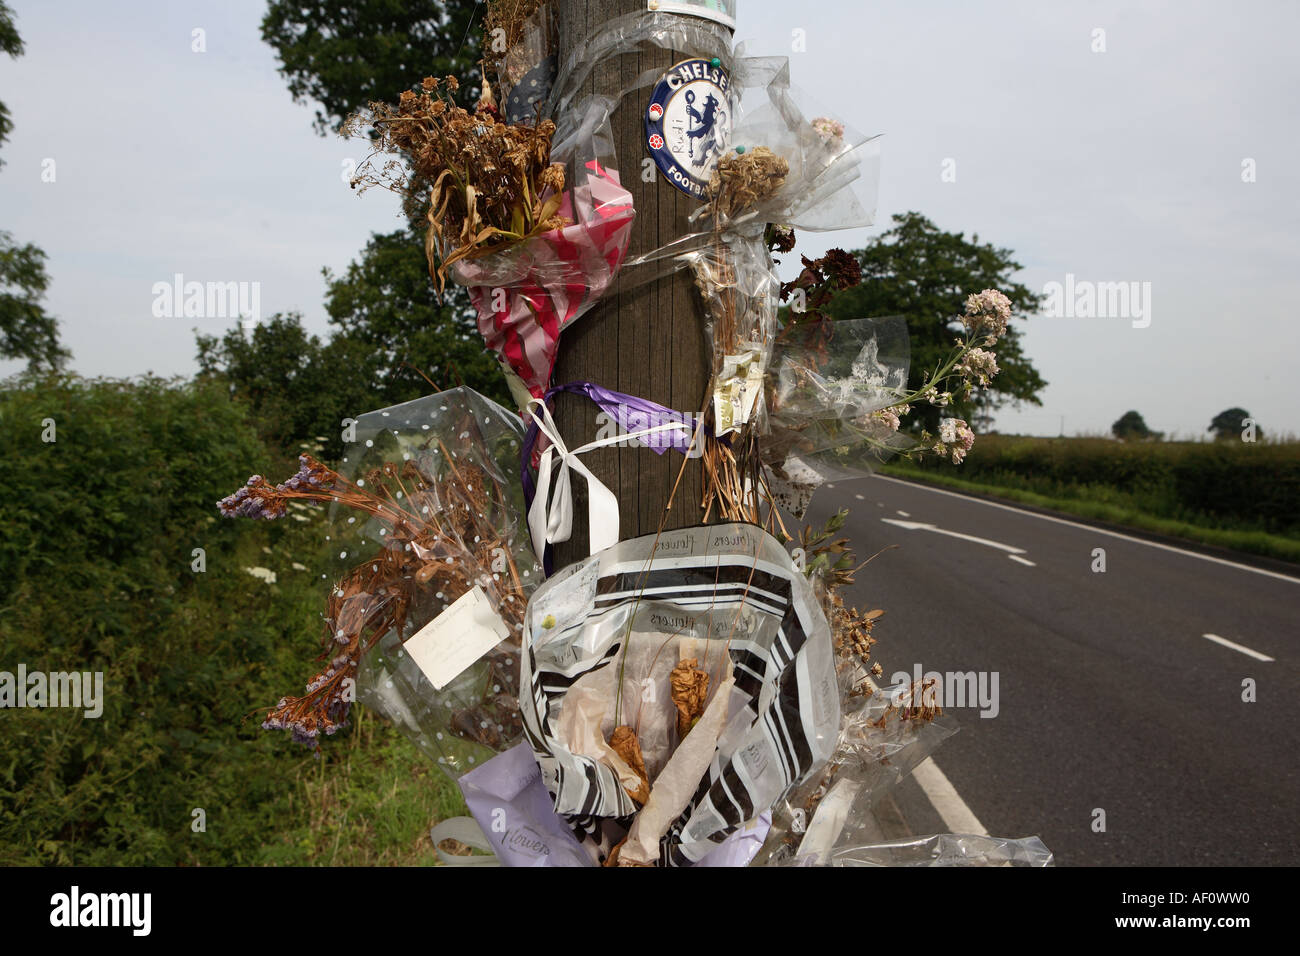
x,y
456,638
740,383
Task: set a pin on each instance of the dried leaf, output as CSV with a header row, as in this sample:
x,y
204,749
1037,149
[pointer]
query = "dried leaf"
x,y
624,743
612,859
690,686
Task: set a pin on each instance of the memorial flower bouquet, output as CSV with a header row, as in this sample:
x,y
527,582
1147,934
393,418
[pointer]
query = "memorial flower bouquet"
x,y
437,522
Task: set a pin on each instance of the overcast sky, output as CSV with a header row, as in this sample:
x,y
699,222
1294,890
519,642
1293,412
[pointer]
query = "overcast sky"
x,y
1144,142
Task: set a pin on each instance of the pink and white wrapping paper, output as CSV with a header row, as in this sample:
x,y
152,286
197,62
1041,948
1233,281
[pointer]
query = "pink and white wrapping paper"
x,y
526,296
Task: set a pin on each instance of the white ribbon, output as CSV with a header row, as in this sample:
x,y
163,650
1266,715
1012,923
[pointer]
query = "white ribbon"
x,y
467,831
550,519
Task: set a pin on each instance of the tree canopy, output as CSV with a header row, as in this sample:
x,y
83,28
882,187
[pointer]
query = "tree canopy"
x,y
27,331
391,339
11,43
1230,422
387,303
1130,426
343,54
392,335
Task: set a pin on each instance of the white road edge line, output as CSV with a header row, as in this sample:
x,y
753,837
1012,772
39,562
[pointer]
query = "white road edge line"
x,y
1236,647
1095,530
1025,561
947,802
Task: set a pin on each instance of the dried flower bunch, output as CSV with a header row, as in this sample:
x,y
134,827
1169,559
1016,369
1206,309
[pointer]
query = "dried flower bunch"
x,y
492,184
438,522
735,483
732,470
832,567
624,742
811,291
508,20
830,130
740,180
690,688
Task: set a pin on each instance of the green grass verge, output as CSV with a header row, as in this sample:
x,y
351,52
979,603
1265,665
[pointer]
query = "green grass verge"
x,y
369,802
1251,542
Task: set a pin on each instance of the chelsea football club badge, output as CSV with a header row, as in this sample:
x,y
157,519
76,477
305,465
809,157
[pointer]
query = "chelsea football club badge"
x,y
688,121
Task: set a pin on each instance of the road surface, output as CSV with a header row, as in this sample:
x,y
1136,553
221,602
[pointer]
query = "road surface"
x,y
1114,708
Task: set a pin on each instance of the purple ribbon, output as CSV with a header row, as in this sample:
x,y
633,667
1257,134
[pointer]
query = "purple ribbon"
x,y
633,414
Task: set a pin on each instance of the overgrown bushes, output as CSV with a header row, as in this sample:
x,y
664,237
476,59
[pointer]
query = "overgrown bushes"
x,y
98,531
1230,485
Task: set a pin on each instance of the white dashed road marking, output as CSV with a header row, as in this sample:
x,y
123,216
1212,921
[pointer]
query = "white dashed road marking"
x,y
1095,530
921,526
1236,647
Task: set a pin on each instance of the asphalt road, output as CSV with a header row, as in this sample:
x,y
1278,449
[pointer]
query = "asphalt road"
x,y
1108,698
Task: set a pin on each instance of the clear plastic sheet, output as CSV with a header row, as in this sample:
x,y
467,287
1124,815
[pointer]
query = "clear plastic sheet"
x,y
526,70
512,818
740,290
724,11
831,184
453,534
833,169
633,33
603,636
879,744
827,391
947,849
847,371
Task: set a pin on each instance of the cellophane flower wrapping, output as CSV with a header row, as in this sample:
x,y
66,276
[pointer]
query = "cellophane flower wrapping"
x,y
833,169
740,291
946,849
603,637
456,456
829,389
881,741
516,813
525,296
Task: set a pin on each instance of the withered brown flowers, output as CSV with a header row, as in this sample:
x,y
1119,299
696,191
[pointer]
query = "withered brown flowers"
x,y
690,686
442,540
624,743
491,185
742,179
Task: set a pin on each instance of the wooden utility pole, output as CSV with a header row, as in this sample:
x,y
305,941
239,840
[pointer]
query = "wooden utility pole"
x,y
647,341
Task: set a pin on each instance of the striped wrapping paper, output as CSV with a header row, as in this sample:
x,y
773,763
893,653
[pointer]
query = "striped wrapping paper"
x,y
525,296
729,587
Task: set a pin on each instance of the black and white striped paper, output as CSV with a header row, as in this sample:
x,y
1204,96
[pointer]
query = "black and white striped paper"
x,y
732,584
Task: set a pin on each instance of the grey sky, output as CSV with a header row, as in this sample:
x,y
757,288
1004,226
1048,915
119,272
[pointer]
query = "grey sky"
x,y
1122,165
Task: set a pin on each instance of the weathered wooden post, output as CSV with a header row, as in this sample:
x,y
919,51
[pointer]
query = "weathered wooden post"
x,y
648,340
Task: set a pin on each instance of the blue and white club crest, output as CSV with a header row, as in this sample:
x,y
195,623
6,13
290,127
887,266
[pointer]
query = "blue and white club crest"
x,y
688,122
